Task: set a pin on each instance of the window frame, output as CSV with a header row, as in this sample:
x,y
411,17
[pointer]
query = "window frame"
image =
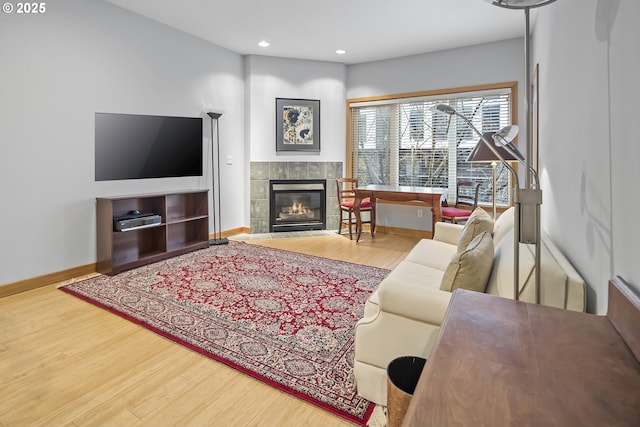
x,y
455,92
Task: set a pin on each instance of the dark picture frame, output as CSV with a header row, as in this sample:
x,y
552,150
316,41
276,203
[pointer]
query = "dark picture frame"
x,y
297,124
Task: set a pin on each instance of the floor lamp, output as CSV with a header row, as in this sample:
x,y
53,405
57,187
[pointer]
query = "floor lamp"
x,y
504,137
482,154
217,221
529,197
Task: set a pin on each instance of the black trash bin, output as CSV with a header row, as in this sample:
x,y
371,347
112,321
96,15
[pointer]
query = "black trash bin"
x,y
402,376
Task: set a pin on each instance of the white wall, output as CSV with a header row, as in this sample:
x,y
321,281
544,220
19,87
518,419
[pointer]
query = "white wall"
x,y
270,78
468,66
589,142
58,69
624,66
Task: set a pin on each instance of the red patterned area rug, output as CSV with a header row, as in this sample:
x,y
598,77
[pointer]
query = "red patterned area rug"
x,y
284,318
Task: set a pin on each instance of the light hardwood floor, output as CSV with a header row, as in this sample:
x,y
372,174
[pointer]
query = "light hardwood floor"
x,y
65,362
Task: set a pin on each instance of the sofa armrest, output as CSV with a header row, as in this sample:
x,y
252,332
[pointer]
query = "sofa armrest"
x,y
415,301
575,295
447,232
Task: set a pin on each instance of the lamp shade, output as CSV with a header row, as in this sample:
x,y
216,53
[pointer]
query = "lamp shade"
x,y
483,154
519,4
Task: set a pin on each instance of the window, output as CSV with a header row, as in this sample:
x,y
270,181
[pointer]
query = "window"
x,y
400,140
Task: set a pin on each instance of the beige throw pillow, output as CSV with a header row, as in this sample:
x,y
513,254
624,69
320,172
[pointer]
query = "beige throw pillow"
x,y
471,268
479,222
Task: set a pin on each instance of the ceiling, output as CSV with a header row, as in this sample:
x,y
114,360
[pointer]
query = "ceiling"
x,y
369,30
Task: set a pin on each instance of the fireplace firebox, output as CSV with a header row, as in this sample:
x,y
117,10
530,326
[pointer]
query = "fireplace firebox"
x,y
297,205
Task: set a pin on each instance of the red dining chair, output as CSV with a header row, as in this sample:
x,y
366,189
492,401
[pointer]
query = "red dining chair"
x,y
346,196
466,202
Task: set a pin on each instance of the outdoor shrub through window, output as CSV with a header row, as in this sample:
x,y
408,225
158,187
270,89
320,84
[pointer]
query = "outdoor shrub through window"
x,y
401,140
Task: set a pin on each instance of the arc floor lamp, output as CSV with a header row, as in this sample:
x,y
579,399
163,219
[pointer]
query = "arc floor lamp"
x,y
529,198
503,139
217,222
482,154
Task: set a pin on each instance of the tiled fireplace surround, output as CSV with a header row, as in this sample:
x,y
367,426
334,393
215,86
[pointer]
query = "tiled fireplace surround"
x,y
262,172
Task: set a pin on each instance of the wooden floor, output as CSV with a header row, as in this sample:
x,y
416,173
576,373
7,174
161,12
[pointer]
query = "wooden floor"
x,y
65,362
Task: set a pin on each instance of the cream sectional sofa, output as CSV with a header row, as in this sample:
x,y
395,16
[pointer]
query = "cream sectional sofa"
x,y
403,316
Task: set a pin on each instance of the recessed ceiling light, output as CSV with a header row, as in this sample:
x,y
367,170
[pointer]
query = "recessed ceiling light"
x,y
341,51
263,43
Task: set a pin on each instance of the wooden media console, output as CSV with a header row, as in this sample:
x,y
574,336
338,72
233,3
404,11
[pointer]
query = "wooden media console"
x,y
184,228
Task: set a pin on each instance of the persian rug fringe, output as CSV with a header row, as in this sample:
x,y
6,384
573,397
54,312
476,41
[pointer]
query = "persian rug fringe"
x,y
378,417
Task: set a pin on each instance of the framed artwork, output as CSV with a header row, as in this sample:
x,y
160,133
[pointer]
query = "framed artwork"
x,y
297,124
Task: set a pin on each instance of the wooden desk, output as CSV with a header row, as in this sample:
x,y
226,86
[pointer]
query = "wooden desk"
x,y
397,193
498,362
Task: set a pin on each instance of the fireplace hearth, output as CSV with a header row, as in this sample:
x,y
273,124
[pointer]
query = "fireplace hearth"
x,y
297,205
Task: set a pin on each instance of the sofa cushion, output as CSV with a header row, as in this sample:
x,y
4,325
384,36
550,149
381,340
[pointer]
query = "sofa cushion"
x,y
411,272
447,232
409,289
478,222
470,269
432,253
503,225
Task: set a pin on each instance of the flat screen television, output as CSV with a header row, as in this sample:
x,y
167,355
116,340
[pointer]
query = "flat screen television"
x,y
131,146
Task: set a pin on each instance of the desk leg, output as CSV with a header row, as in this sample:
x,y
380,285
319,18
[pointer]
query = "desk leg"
x,y
437,213
356,211
372,218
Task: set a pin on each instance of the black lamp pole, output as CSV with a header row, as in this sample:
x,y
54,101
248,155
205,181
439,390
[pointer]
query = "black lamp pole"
x,y
217,231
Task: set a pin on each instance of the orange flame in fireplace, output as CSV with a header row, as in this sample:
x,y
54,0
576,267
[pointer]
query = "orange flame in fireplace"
x,y
297,208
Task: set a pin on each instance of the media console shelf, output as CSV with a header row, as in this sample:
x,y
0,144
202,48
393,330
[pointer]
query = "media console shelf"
x,y
184,228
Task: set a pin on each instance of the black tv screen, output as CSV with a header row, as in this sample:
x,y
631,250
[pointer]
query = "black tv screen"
x,y
131,146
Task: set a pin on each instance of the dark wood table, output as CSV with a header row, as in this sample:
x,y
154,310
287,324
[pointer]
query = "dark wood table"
x,y
498,362
397,193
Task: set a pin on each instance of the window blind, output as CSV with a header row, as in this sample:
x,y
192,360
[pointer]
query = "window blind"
x,y
403,141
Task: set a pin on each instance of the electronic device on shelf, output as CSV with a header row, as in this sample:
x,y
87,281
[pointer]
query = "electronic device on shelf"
x,y
135,219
